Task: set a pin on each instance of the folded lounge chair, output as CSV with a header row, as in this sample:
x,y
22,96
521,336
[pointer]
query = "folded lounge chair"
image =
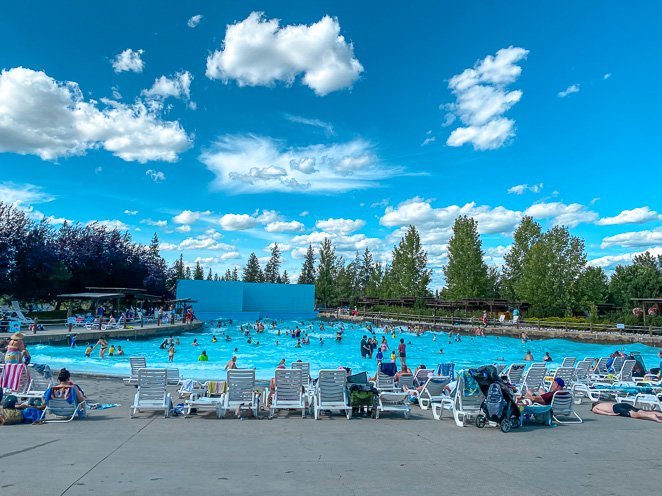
x,y
152,393
331,392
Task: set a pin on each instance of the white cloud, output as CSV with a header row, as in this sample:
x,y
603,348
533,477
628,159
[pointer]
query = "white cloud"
x,y
253,164
154,175
23,194
189,216
635,238
202,242
519,189
48,118
237,222
305,213
157,223
573,88
258,52
129,61
610,261
340,226
184,228
177,86
281,226
634,216
428,140
606,76
437,223
328,128
110,224
345,245
194,21
561,214
482,99
130,212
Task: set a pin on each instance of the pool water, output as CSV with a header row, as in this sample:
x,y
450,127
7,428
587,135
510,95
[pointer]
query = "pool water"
x,y
424,349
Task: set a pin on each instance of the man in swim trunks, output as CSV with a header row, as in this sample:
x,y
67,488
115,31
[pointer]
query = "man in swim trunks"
x,y
625,410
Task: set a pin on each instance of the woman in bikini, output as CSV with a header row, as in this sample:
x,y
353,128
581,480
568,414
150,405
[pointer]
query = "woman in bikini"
x,y
103,346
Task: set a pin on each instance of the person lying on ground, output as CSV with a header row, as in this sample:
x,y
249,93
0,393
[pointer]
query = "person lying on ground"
x,y
625,410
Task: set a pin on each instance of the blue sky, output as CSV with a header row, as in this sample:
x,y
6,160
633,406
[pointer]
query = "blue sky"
x,y
226,126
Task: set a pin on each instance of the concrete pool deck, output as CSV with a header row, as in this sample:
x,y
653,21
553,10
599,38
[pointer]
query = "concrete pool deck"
x,y
111,454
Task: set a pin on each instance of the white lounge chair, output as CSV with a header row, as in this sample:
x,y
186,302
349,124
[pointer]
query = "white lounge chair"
x,y
61,402
582,371
569,362
562,406
433,391
173,377
515,373
15,379
152,393
331,392
643,401
240,394
466,404
566,374
16,308
406,380
288,393
422,376
209,398
534,377
39,383
136,364
393,401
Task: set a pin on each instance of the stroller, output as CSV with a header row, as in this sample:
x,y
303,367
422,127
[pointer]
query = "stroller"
x,y
362,395
499,407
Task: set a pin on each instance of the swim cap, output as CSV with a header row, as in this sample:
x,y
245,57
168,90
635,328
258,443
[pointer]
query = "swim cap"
x,y
560,381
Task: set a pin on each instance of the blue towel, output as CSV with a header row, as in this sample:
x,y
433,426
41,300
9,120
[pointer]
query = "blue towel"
x,y
388,368
446,369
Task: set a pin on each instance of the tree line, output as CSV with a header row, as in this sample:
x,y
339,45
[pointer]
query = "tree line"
x,y
547,269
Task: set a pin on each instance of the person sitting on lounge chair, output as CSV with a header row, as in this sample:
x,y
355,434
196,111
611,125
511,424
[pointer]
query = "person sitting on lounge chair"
x,y
545,398
625,410
66,389
400,373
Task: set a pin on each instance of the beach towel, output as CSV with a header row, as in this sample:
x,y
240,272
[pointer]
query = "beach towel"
x,y
214,388
12,376
470,384
388,369
446,369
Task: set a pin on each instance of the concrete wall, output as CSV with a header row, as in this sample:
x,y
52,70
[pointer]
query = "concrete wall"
x,y
237,300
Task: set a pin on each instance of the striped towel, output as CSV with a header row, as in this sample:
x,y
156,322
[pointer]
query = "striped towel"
x,y
12,376
215,387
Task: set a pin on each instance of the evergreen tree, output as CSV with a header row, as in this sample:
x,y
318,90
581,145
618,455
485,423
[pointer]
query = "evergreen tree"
x,y
408,275
179,268
252,270
526,235
216,278
209,275
307,275
374,286
272,269
365,270
187,273
325,284
285,278
228,275
235,274
198,273
466,273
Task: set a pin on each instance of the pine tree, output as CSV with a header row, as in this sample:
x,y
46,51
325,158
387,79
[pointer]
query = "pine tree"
x,y
227,276
307,275
179,268
409,275
187,273
209,276
235,273
198,274
466,273
365,269
325,284
252,271
374,287
285,278
216,278
272,269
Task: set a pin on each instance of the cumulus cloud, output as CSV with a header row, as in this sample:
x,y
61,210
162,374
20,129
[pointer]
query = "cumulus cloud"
x,y
520,189
635,238
282,226
202,242
346,245
237,222
51,119
176,86
634,216
482,99
437,223
259,52
109,224
570,215
129,61
253,164
340,226
183,228
23,194
573,88
194,21
189,216
157,223
611,261
154,175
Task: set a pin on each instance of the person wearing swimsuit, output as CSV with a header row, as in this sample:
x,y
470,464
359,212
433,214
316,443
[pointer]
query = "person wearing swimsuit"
x,y
625,410
16,349
103,346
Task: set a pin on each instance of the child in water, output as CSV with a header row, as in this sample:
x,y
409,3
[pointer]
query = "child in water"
x,y
393,357
88,350
120,351
213,339
111,350
171,353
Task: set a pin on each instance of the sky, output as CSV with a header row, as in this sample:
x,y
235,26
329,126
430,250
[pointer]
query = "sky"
x,y
227,126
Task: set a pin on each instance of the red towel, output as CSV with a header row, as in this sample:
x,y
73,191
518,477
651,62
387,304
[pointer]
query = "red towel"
x,y
12,375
